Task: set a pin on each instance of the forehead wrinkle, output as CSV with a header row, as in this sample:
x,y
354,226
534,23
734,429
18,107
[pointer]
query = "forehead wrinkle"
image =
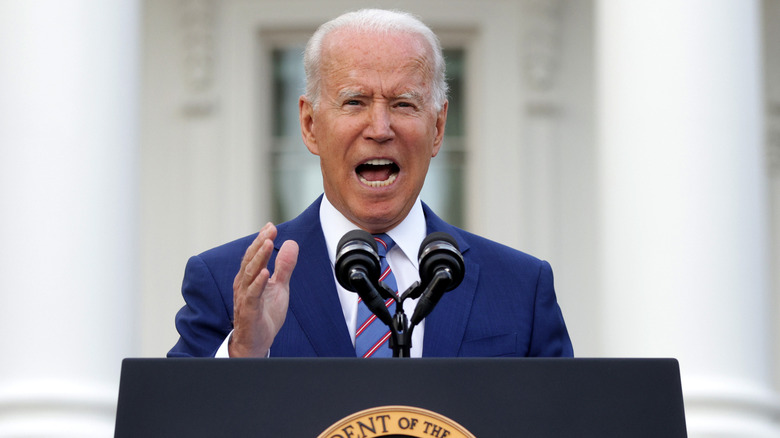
x,y
335,68
401,90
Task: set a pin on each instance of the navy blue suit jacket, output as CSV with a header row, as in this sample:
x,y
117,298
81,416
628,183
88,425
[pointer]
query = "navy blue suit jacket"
x,y
505,306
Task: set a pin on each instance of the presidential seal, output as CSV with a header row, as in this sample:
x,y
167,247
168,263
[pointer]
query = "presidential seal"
x,y
396,421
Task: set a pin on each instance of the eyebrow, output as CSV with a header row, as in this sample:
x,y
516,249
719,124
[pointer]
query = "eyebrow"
x,y
350,94
410,95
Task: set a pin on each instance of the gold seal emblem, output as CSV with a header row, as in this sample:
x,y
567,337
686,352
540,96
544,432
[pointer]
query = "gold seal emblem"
x,y
396,421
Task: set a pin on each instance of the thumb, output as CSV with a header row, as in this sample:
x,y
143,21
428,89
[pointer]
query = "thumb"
x,y
285,262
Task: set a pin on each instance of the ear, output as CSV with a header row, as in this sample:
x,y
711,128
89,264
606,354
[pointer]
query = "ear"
x,y
306,116
441,120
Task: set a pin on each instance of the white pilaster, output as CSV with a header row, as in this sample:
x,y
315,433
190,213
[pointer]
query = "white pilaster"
x,y
68,163
684,203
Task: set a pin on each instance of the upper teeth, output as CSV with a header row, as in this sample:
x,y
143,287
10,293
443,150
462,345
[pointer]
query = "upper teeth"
x,y
379,162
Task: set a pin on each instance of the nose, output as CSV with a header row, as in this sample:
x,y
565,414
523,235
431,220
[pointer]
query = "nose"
x,y
379,126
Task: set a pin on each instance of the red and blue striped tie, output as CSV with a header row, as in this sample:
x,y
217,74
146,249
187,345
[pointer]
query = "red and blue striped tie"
x,y
371,336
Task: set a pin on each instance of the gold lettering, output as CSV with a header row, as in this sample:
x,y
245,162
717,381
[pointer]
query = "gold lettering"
x,y
383,419
364,427
396,421
435,430
348,431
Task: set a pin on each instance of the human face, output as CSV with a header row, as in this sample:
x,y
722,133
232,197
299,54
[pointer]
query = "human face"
x,y
375,128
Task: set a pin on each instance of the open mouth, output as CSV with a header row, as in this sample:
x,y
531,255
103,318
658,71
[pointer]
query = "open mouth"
x,y
378,172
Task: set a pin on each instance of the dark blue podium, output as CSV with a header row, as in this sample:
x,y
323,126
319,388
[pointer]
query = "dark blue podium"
x,y
488,398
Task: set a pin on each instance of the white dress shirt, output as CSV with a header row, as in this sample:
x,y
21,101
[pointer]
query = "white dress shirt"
x,y
402,258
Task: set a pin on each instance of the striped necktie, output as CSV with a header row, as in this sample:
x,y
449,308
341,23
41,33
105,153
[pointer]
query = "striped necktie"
x,y
371,336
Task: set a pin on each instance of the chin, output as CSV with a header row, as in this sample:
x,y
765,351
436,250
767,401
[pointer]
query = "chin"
x,y
378,218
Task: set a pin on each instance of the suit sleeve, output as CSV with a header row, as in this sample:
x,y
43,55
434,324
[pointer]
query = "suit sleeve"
x,y
549,337
204,322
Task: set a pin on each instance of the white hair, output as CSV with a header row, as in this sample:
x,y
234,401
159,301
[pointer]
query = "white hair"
x,y
374,20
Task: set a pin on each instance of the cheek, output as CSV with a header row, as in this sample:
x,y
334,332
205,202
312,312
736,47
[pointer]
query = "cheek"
x,y
421,164
339,137
332,167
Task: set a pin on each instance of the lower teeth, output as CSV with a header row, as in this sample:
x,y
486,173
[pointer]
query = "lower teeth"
x,y
384,183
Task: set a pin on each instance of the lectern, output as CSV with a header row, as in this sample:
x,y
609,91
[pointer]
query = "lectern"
x,y
366,398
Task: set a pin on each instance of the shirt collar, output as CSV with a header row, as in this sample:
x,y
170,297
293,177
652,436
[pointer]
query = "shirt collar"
x,y
408,235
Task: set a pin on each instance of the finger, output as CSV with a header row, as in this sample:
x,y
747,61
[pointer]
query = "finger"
x,y
250,253
252,250
258,263
256,288
264,254
285,262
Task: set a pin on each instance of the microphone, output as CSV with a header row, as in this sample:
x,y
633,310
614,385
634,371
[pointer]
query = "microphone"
x,y
357,270
439,252
356,252
441,269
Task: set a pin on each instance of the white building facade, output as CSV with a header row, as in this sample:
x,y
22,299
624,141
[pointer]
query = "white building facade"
x,y
634,145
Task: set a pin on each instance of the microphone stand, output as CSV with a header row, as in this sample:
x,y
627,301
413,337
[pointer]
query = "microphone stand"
x,y
401,330
401,337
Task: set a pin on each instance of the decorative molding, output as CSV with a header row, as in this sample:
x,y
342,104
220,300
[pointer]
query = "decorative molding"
x,y
54,407
541,48
543,107
742,407
773,137
541,42
198,35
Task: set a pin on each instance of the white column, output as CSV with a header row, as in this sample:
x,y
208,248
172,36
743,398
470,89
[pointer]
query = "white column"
x,y
683,202
68,142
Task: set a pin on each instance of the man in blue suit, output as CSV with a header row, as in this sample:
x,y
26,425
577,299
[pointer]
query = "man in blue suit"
x,y
374,112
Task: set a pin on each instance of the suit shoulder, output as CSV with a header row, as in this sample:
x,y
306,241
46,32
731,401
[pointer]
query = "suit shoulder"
x,y
229,250
487,249
480,248
235,249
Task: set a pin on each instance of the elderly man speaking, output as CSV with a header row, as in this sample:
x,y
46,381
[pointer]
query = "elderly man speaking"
x,y
374,112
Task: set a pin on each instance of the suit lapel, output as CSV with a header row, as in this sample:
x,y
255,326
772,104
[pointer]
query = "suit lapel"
x,y
313,298
446,325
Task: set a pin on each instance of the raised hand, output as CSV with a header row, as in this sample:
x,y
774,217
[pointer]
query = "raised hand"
x,y
260,300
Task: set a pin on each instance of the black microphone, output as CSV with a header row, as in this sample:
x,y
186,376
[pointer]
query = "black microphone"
x,y
439,251
357,270
441,270
357,250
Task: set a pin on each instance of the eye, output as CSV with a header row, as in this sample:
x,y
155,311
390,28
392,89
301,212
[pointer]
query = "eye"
x,y
405,104
352,102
